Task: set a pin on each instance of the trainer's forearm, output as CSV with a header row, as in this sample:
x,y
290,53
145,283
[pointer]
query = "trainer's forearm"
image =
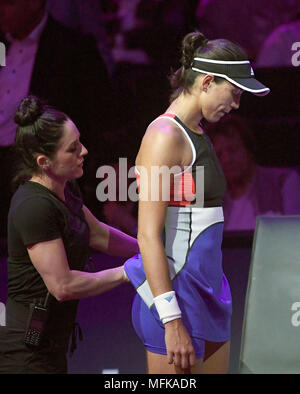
x,y
81,284
121,244
108,239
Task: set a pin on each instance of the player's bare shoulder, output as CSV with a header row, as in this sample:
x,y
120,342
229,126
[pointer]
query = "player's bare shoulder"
x,y
163,141
163,131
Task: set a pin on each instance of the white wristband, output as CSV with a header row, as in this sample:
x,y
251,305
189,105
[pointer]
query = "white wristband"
x,y
167,306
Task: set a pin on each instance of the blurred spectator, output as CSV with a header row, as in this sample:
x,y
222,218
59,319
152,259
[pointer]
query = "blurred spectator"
x,y
251,189
85,16
248,22
165,22
143,30
59,65
121,214
145,36
281,46
121,19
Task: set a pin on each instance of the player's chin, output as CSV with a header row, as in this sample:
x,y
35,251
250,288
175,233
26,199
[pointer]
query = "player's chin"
x,y
77,173
215,117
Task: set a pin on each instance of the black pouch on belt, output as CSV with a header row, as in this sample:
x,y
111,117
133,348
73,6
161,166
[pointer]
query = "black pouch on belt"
x,y
37,319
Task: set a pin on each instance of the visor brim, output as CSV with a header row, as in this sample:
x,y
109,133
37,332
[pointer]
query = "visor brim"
x,y
250,85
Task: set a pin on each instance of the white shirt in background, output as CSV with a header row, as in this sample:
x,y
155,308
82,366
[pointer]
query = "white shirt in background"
x,y
15,79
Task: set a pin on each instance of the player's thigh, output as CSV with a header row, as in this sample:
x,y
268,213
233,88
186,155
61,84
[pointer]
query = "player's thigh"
x,y
158,364
216,359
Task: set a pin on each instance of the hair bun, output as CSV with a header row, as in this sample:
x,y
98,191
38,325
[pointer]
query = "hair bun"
x,y
29,111
190,44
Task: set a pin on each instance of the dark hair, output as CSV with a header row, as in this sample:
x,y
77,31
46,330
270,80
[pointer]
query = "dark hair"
x,y
39,131
196,44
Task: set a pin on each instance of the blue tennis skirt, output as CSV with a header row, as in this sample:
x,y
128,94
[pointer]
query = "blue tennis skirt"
x,y
202,291
151,333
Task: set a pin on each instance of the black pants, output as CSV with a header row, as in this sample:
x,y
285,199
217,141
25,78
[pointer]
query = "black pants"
x,y
17,357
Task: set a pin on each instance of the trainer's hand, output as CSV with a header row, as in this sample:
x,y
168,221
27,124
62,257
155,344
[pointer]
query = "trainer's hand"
x,y
179,345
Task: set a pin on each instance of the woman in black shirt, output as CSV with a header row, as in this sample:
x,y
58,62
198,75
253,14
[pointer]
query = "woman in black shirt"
x,y
50,232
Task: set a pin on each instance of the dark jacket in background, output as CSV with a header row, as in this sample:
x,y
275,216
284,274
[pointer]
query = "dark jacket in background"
x,y
70,74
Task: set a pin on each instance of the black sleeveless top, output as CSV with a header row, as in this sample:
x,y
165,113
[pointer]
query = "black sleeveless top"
x,y
210,191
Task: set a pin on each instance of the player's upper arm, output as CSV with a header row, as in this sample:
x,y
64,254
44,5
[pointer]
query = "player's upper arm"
x,y
159,159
